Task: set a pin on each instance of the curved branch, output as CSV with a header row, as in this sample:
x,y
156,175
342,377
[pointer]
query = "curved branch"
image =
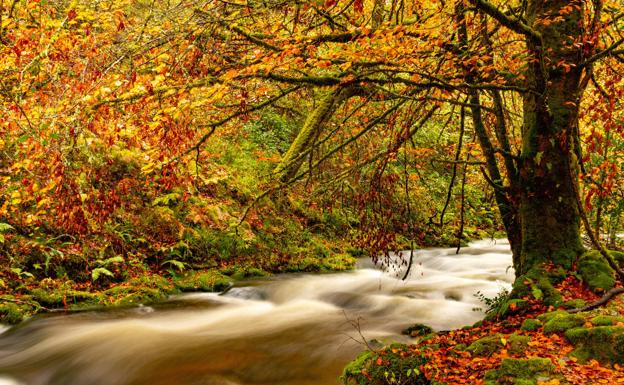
x,y
508,21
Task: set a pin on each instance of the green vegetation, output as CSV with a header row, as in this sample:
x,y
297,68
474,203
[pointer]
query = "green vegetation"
x,y
487,346
521,372
559,322
391,365
603,343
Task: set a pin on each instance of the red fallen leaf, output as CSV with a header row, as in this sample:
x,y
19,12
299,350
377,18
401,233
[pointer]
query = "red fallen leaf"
x,y
71,15
330,3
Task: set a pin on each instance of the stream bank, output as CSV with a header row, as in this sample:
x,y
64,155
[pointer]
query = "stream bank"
x,y
293,329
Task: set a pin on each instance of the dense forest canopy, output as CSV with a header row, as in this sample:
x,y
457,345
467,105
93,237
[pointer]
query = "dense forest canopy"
x,y
355,100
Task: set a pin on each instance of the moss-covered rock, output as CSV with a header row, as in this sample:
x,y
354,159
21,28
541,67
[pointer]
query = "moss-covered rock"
x,y
607,320
602,343
518,343
238,273
203,281
12,313
596,272
574,304
521,372
128,295
60,297
561,321
393,365
488,345
531,324
417,330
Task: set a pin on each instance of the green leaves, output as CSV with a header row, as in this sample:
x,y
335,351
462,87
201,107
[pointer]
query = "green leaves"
x,y
98,272
175,263
4,227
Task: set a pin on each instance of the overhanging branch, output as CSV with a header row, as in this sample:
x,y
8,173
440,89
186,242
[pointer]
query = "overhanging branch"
x,y
508,21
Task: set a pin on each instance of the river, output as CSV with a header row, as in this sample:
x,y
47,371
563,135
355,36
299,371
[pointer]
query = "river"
x,y
285,330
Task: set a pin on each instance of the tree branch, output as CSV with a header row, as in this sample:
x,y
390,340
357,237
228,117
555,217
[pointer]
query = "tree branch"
x,y
508,21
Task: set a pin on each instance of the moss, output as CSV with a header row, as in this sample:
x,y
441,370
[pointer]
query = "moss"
x,y
596,272
574,304
606,320
531,324
142,290
562,322
354,368
618,256
59,297
537,283
518,343
521,371
203,281
417,330
126,296
486,346
290,163
11,313
238,273
461,347
393,365
338,262
602,343
154,281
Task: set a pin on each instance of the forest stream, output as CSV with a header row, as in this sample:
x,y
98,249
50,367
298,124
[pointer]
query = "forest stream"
x,y
290,329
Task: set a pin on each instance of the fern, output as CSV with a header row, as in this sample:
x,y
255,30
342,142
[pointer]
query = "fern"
x,y
98,272
175,263
4,227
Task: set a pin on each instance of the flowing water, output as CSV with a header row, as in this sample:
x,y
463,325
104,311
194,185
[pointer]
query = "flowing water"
x,y
287,330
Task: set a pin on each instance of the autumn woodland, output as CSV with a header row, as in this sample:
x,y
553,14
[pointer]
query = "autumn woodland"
x,y
362,191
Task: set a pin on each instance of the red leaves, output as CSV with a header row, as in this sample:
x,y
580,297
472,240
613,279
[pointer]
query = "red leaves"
x,y
358,6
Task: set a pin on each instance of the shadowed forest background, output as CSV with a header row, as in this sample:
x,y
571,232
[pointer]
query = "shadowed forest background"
x,y
150,148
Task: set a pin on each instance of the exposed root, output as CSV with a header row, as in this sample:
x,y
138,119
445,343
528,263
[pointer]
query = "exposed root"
x,y
602,301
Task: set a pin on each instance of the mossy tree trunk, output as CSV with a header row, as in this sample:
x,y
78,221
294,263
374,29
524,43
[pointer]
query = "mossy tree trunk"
x,y
548,170
292,160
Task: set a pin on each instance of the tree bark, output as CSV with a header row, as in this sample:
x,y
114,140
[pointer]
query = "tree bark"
x,y
548,175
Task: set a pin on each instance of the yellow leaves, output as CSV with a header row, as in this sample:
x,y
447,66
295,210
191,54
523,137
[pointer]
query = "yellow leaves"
x,y
6,23
43,202
162,69
148,168
16,198
158,79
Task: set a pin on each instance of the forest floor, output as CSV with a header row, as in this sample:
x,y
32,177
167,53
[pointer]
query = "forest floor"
x,y
532,345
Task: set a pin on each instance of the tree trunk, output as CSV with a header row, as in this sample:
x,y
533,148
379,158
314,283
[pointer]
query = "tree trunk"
x,y
548,177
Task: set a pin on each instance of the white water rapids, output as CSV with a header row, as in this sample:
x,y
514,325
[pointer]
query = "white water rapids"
x,y
287,330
